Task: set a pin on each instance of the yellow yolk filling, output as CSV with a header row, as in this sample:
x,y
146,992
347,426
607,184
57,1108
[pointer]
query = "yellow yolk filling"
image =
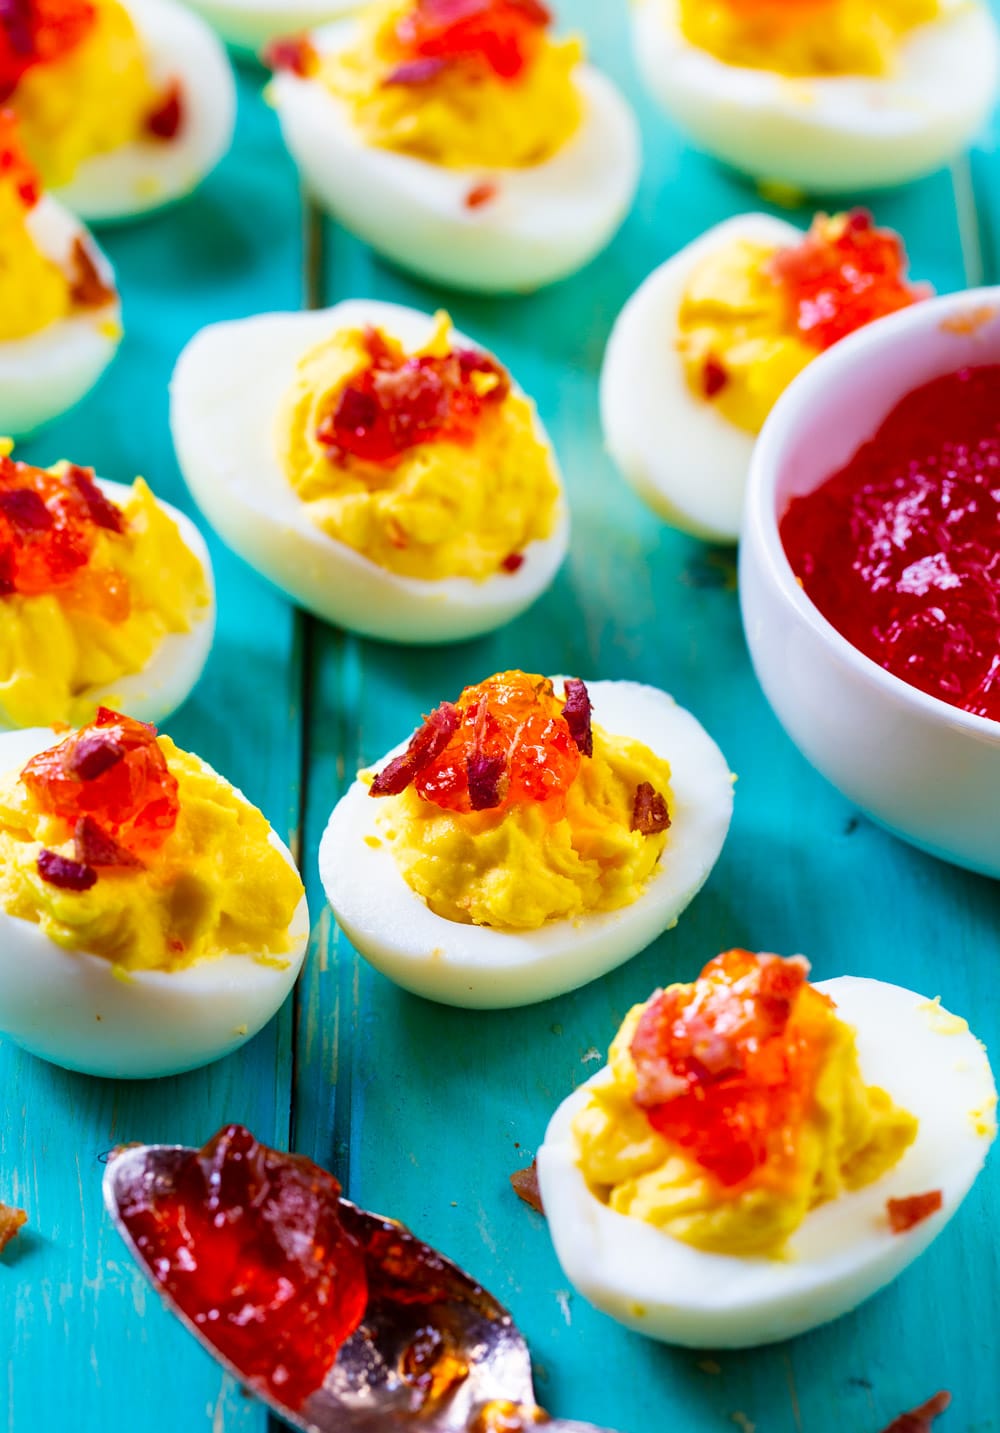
x,y
34,291
92,100
446,509
216,886
826,37
518,869
60,645
454,120
733,312
853,1136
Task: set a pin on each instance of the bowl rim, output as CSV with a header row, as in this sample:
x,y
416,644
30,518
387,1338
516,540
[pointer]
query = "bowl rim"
x,y
979,306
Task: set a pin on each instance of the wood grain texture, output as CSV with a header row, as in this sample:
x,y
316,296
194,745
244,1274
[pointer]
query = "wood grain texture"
x,y
424,1111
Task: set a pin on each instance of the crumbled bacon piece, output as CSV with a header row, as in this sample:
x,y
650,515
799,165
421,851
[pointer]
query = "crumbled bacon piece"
x,y
525,1185
714,376
426,743
25,510
906,1214
295,53
12,1221
86,289
487,780
95,847
94,753
513,562
481,194
68,875
103,512
576,713
919,1420
416,72
165,120
650,814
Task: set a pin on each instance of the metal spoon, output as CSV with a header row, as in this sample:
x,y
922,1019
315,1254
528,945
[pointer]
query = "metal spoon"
x,y
458,1364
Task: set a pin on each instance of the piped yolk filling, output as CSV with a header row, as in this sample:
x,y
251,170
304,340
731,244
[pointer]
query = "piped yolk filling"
x,y
805,38
736,1104
753,315
425,463
36,290
76,74
479,83
117,843
88,590
518,811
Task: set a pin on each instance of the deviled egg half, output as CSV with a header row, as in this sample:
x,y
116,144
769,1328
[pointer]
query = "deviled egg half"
x,y
760,1155
249,25
60,319
708,343
106,596
529,837
829,96
469,147
375,465
124,105
150,919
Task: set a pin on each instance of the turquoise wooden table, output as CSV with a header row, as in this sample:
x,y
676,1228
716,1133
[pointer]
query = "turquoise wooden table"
x,y
423,1111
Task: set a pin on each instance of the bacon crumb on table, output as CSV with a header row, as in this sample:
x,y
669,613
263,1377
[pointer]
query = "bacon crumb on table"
x,y
524,1182
919,1420
905,1214
12,1221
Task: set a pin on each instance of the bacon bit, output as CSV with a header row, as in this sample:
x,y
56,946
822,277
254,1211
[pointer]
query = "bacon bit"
x,y
165,121
95,847
68,875
513,562
488,780
481,194
905,1214
650,814
524,1182
295,54
576,713
426,743
25,510
919,1420
714,377
86,287
103,512
12,1221
94,754
416,72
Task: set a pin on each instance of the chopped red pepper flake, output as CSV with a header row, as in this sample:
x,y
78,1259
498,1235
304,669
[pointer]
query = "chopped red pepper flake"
x,y
650,813
68,875
525,1185
513,562
426,743
113,772
577,710
844,275
906,1214
396,403
481,194
501,36
296,54
48,526
727,1065
714,376
86,289
919,1420
39,32
166,119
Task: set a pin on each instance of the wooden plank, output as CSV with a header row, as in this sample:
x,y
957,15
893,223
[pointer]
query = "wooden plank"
x,y
431,1109
88,1346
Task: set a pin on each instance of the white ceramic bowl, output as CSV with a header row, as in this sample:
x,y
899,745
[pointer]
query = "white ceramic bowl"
x,y
926,770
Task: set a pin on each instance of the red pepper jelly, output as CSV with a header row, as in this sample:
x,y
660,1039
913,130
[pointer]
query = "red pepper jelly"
x,y
727,1066
900,550
501,36
249,1244
39,32
397,402
49,524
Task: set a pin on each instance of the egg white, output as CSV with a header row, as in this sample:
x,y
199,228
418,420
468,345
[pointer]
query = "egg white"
x,y
545,222
844,1251
687,461
176,665
225,395
829,134
248,25
69,1007
45,374
482,968
150,173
